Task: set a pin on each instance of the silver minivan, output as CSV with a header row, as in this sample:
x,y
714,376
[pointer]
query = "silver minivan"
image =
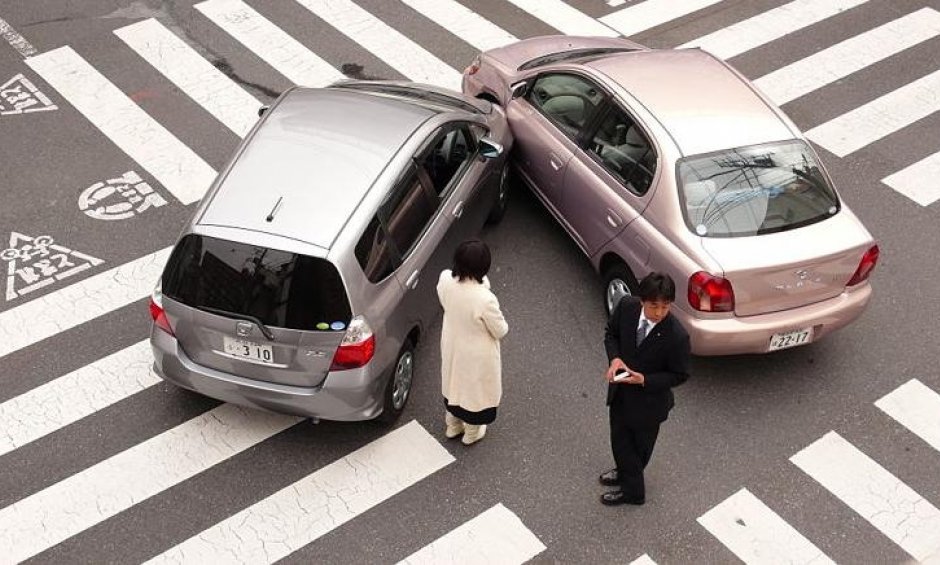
x,y
306,276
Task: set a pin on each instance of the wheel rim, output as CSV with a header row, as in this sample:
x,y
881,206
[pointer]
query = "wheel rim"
x,y
403,374
616,289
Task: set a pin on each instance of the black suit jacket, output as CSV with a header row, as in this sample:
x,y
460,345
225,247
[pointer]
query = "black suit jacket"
x,y
663,358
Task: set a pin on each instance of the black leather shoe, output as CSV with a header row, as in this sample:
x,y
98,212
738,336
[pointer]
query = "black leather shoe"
x,y
617,497
609,479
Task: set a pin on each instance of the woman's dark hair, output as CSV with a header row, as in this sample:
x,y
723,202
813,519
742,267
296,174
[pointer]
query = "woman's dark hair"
x,y
657,286
471,260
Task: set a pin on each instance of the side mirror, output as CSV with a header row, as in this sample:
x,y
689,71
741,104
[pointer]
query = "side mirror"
x,y
519,89
490,149
262,110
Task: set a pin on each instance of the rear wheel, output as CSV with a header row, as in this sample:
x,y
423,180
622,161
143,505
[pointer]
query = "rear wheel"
x,y
618,282
398,388
502,197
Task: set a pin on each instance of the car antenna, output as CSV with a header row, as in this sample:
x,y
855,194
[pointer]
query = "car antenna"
x,y
274,210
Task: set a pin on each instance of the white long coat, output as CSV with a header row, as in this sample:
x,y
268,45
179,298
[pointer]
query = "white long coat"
x,y
471,375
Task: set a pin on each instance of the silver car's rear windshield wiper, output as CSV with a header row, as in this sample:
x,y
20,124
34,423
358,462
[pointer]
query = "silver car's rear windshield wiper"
x,y
248,317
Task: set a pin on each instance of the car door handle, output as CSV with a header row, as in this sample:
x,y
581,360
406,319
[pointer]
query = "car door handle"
x,y
613,219
458,209
555,165
412,281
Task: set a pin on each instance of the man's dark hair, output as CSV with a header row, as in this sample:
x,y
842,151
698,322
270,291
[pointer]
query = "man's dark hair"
x,y
471,260
657,286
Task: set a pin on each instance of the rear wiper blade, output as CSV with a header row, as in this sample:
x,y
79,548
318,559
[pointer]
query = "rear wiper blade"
x,y
247,317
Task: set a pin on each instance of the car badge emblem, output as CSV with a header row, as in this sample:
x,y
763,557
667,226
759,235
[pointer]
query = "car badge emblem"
x,y
802,274
243,329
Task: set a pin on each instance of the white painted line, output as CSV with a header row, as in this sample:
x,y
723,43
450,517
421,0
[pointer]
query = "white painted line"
x,y
385,42
651,13
849,56
866,487
317,504
563,17
889,113
770,25
68,399
495,536
77,503
81,302
757,534
916,407
16,40
463,22
185,68
643,560
269,42
183,173
918,181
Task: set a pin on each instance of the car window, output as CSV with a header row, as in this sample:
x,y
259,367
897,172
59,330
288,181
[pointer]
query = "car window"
x,y
754,190
624,150
447,157
408,210
568,100
374,252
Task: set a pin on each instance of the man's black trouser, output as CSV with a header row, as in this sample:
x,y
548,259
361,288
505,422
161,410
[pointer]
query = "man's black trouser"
x,y
633,447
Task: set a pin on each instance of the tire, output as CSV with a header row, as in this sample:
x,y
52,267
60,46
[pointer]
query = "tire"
x,y
398,389
618,282
501,202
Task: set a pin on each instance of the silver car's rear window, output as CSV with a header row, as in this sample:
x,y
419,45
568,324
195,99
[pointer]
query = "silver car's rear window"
x,y
279,288
754,190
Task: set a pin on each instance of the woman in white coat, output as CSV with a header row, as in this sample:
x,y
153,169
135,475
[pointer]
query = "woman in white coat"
x,y
471,378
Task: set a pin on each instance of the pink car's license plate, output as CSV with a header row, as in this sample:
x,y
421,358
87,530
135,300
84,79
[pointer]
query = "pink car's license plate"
x,y
791,339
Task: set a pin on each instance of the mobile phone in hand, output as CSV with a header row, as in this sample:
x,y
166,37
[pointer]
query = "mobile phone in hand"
x,y
621,374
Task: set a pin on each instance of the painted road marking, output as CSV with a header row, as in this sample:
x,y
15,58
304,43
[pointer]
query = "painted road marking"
x,y
20,96
651,13
38,262
463,22
770,25
67,399
119,198
269,42
881,117
317,504
495,536
849,56
916,407
16,40
80,501
183,173
191,73
757,534
81,302
644,559
564,18
918,181
385,42
866,487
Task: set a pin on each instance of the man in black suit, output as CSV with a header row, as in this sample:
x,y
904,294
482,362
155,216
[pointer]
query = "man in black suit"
x,y
648,350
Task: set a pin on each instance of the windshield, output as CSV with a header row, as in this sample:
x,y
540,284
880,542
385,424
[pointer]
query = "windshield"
x,y
277,288
410,92
572,55
754,190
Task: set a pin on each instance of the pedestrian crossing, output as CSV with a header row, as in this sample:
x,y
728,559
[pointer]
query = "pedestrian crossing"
x,y
330,497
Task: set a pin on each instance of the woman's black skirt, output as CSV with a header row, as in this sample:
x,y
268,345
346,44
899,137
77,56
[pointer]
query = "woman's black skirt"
x,y
485,416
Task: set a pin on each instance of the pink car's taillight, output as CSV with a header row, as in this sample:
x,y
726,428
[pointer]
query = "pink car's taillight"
x,y
708,293
865,266
357,348
474,67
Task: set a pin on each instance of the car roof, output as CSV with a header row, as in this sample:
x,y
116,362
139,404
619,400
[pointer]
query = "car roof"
x,y
312,161
704,105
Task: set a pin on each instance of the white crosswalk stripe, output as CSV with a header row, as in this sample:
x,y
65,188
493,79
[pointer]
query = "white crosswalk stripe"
x,y
269,42
643,560
916,407
850,56
463,22
757,534
383,41
651,13
320,502
192,74
918,181
564,17
866,487
183,173
495,536
770,25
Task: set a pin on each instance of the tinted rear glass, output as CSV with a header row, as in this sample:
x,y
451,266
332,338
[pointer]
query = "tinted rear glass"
x,y
281,289
754,190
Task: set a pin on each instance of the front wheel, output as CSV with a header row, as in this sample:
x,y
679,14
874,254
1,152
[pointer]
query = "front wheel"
x,y
398,388
502,197
618,282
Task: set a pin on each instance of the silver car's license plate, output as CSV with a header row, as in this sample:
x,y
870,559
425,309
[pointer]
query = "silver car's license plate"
x,y
248,350
791,339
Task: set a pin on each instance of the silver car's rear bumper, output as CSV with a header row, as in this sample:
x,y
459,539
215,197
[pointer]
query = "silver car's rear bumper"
x,y
751,334
349,395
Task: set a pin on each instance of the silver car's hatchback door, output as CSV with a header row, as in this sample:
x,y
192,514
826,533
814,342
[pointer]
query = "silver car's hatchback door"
x,y
255,312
